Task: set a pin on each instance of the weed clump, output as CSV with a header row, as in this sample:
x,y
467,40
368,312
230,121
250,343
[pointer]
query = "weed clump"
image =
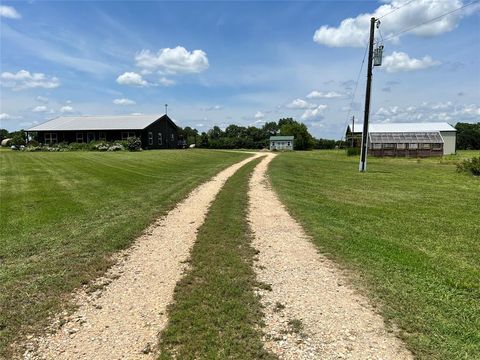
x,y
471,166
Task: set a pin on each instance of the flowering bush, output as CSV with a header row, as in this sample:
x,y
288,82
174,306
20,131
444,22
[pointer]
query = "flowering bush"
x,y
134,144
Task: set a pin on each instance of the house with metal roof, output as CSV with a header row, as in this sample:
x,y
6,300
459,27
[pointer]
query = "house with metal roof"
x,y
281,142
155,132
405,139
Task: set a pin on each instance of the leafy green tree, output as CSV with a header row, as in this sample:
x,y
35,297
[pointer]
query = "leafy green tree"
x,y
285,121
468,136
18,138
190,135
271,128
303,139
4,134
215,133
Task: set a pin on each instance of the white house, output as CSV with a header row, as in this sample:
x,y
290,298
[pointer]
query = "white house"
x,y
281,142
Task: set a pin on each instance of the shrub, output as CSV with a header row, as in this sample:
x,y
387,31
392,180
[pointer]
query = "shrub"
x,y
99,146
18,139
470,166
353,151
134,144
78,146
33,143
116,147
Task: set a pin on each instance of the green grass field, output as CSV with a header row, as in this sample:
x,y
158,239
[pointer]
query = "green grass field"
x,y
63,214
410,232
216,314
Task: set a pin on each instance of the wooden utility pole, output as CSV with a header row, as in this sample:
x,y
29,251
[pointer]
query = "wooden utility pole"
x,y
353,131
363,154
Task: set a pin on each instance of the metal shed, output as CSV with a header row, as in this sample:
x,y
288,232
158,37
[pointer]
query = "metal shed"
x,y
406,139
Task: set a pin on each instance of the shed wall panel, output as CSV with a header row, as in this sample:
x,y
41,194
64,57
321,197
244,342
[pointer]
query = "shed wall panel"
x,y
450,142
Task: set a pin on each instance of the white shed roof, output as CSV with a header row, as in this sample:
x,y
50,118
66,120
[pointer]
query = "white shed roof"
x,y
404,127
102,122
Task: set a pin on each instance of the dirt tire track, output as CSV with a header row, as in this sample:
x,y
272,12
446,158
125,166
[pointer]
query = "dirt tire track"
x,y
124,321
336,322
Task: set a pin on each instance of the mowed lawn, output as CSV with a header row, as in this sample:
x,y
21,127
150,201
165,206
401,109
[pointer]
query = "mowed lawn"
x,y
410,231
63,214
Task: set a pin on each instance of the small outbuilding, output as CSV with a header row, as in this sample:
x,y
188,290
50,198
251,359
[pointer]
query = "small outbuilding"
x,y
155,132
405,139
281,142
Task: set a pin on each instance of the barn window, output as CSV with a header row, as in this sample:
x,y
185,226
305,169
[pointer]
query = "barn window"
x,y
425,146
288,143
79,137
389,146
401,146
173,137
413,146
273,143
377,146
127,134
102,136
437,146
50,138
150,138
160,139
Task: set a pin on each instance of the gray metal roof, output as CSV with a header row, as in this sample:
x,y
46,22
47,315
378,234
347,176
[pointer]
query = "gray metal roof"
x,y
279,138
406,138
102,122
404,127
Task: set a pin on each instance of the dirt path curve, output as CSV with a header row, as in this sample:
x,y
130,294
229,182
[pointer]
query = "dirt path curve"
x,y
335,321
125,319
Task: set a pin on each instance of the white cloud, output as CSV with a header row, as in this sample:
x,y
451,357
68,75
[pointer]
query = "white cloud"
x,y
42,99
166,82
5,116
131,78
323,95
9,12
66,109
40,108
173,61
124,102
300,104
400,61
314,114
429,112
354,31
259,115
213,108
136,113
24,80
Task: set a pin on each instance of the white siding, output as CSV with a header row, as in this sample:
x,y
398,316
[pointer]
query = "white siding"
x,y
450,142
281,145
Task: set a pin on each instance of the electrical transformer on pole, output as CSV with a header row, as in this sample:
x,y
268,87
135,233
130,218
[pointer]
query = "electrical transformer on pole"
x,y
374,59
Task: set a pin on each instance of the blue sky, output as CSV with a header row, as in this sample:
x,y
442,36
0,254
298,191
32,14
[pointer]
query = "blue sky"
x,y
217,63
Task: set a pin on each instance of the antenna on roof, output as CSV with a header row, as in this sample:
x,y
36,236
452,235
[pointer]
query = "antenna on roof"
x,y
166,107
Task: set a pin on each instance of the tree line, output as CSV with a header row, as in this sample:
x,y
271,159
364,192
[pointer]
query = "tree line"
x,y
252,137
468,136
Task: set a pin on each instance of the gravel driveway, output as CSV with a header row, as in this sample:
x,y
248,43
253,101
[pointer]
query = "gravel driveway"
x,y
123,320
311,312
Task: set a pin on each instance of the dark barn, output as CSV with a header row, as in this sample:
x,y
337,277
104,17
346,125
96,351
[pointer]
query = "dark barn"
x,y
155,132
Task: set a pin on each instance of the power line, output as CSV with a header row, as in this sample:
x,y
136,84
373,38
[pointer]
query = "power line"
x,y
398,8
355,89
429,21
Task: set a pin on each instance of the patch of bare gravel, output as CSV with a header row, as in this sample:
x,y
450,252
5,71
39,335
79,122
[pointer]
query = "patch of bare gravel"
x,y
311,311
123,320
